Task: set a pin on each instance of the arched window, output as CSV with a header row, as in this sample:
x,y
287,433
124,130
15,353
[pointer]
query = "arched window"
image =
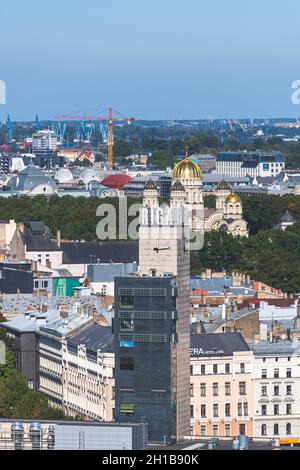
x,y
276,429
288,429
264,430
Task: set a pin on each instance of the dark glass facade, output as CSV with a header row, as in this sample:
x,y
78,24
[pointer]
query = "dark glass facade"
x,y
145,338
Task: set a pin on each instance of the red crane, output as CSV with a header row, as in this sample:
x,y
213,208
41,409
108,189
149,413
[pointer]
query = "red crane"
x,y
109,119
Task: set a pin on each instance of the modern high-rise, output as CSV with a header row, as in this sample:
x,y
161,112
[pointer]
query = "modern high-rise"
x,y
152,317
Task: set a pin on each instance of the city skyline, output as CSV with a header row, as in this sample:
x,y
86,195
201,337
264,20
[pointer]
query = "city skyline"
x,y
153,61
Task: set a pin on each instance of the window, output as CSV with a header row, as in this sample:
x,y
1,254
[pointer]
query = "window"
x,y
227,368
192,411
215,410
126,301
245,409
126,363
215,389
202,369
227,430
203,390
242,388
276,359
127,409
192,390
215,368
242,368
126,324
288,429
242,429
264,373
289,390
288,409
215,431
240,409
30,384
276,429
264,359
276,390
227,388
227,409
264,391
191,370
289,373
203,411
36,284
263,429
203,431
264,410
276,373
276,409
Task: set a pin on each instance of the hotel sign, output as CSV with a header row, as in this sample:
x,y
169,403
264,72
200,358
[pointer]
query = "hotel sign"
x,y
204,352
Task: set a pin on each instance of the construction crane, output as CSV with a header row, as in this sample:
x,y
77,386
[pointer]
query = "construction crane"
x,y
103,133
59,130
37,124
110,120
9,129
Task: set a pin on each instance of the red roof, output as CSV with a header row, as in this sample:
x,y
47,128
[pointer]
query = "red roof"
x,y
117,181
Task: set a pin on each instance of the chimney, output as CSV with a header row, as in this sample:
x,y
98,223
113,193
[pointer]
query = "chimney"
x,y
203,274
297,319
236,279
223,311
58,239
228,312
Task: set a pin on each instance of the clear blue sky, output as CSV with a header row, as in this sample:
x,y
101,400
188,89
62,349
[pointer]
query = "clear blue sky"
x,y
150,59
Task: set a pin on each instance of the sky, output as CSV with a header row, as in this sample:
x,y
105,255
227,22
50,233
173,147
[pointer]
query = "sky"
x,y
150,59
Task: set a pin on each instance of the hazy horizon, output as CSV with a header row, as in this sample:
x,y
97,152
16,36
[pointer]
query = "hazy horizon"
x,y
151,60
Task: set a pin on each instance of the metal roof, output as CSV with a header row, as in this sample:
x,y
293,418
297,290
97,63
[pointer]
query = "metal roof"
x,y
94,337
217,344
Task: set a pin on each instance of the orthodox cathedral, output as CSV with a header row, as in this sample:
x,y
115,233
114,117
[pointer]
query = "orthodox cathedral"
x,y
187,189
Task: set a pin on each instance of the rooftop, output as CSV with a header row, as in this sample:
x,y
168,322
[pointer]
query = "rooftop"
x,y
94,337
217,344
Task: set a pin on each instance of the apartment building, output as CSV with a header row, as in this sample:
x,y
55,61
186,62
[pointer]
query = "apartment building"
x,y
51,360
88,375
276,389
221,385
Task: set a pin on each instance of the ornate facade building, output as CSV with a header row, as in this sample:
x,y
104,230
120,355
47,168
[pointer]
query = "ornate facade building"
x,y
187,190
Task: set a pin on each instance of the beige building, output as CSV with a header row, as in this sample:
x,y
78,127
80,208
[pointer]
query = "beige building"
x,y
221,385
88,376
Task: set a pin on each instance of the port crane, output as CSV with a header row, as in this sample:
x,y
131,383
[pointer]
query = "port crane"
x,y
9,129
110,119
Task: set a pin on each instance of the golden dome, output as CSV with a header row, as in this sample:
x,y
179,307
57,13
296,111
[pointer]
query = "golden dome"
x,y
186,170
233,198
